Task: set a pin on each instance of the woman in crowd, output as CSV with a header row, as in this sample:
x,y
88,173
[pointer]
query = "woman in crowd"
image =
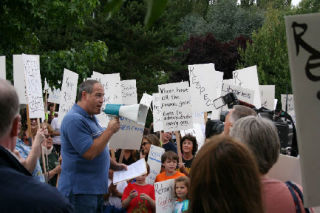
x,y
224,178
189,147
147,141
127,156
261,136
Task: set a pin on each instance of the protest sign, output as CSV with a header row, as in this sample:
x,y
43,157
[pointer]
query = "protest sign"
x,y
203,87
112,86
146,99
129,92
243,94
134,170
248,78
68,93
267,93
287,104
157,112
154,161
275,103
129,135
197,131
18,77
3,67
176,106
54,96
165,196
31,67
198,117
303,34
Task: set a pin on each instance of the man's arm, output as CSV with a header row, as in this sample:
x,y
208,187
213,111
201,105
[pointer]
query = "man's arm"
x,y
100,143
117,166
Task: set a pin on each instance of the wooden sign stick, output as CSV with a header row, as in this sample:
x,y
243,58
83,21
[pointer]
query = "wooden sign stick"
x,y
178,139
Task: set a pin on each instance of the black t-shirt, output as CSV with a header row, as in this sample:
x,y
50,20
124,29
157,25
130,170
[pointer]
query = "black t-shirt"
x,y
169,147
187,163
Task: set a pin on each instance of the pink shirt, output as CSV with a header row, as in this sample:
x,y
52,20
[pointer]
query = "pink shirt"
x,y
277,197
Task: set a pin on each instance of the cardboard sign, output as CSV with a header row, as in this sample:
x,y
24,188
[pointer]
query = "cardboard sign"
x,y
112,86
68,93
287,104
303,34
146,99
197,131
157,112
248,78
32,76
154,161
129,92
176,106
203,87
243,94
267,93
129,135
134,170
18,76
54,96
3,67
165,198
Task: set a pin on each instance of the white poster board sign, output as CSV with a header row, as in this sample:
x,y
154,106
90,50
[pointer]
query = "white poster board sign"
x,y
154,161
303,34
267,93
287,104
165,198
157,112
134,170
197,131
3,67
243,94
54,96
32,76
112,86
18,77
129,135
248,78
146,99
68,93
176,106
203,87
129,92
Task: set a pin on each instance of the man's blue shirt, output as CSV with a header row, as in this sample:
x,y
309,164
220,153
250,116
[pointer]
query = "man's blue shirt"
x,y
78,175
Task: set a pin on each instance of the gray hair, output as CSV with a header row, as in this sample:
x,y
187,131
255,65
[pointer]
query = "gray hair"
x,y
9,106
86,86
240,111
261,136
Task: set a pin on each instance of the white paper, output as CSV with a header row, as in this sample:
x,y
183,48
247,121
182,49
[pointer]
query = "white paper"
x,y
303,34
18,76
3,67
176,106
146,99
165,198
136,169
267,93
198,131
112,85
32,76
129,92
157,112
243,94
248,78
154,161
68,93
275,103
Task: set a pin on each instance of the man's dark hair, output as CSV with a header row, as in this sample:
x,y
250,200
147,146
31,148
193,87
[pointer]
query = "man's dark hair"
x,y
9,105
86,86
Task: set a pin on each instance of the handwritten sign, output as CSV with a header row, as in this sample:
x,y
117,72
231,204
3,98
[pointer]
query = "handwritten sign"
x,y
54,96
243,94
154,161
267,93
129,135
176,106
165,198
197,131
203,87
134,170
3,67
157,112
248,78
129,92
146,99
68,93
32,76
112,86
287,103
303,34
18,76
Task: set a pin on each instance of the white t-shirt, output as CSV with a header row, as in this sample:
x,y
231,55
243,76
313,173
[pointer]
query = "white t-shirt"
x,y
56,127
116,201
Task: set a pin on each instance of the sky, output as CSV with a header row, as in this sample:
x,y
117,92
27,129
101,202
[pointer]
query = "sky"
x,y
295,2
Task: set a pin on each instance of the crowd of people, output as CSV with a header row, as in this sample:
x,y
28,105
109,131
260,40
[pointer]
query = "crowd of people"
x,y
68,168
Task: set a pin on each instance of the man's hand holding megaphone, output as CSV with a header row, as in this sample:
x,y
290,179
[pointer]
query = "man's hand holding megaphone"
x,y
114,125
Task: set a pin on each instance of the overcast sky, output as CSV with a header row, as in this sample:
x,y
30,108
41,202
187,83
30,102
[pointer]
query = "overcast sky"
x,y
295,2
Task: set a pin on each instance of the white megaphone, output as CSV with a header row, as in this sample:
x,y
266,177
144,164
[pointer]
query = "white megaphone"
x,y
136,112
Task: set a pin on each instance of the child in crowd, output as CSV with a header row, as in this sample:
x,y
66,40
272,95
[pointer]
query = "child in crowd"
x,y
139,196
169,161
181,186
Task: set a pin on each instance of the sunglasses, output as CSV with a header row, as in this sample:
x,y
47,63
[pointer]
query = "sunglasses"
x,y
48,136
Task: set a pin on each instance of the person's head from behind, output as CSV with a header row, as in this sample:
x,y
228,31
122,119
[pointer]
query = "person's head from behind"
x,y
237,112
147,141
169,161
261,136
9,115
142,178
189,144
181,186
224,178
90,96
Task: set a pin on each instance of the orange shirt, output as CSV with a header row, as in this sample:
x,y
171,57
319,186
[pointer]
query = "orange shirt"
x,y
162,176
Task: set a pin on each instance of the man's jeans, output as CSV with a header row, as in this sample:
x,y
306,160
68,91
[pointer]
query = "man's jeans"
x,y
86,203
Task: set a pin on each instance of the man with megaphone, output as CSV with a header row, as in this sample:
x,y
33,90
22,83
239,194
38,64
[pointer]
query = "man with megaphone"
x,y
85,155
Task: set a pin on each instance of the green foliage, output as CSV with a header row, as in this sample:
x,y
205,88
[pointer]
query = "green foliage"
x,y
308,6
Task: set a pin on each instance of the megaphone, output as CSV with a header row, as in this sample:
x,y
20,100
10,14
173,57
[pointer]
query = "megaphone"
x,y
136,112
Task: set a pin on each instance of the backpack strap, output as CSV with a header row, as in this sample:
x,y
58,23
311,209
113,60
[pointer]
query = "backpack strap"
x,y
294,188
